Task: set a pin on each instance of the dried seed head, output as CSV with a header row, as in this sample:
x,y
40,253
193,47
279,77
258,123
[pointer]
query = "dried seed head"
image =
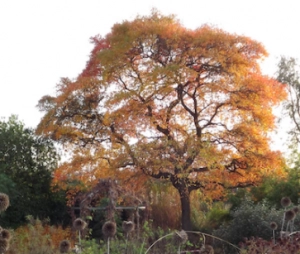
x,y
296,209
273,225
79,224
290,215
127,226
4,202
5,234
180,237
285,201
109,229
64,246
3,245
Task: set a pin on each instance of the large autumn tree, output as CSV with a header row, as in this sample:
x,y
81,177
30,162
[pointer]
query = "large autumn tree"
x,y
186,106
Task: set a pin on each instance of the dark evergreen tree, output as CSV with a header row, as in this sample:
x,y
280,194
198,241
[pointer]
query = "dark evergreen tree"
x,y
26,165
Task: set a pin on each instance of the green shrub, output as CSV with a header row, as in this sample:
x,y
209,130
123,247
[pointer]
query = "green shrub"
x,y
248,220
273,189
237,197
218,214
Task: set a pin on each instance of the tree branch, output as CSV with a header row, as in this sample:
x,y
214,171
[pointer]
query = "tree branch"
x,y
159,175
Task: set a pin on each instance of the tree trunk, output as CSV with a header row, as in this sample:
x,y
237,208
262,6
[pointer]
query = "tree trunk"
x,y
185,208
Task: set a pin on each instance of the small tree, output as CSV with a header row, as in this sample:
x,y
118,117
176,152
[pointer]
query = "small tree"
x,y
288,73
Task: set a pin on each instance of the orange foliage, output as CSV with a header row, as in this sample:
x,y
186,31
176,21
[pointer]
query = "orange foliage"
x,y
36,234
159,100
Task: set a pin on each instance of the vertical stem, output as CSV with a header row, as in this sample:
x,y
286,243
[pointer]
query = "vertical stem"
x,y
126,242
287,226
283,219
138,222
108,248
79,240
292,225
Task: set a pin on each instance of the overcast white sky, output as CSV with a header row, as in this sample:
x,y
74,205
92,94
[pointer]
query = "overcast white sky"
x,y
44,40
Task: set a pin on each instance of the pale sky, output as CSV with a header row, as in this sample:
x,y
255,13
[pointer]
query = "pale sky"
x,y
44,40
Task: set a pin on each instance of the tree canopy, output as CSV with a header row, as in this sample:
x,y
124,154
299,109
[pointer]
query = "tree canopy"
x,y
159,100
26,165
288,73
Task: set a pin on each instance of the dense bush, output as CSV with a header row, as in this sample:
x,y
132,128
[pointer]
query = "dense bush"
x,y
249,220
